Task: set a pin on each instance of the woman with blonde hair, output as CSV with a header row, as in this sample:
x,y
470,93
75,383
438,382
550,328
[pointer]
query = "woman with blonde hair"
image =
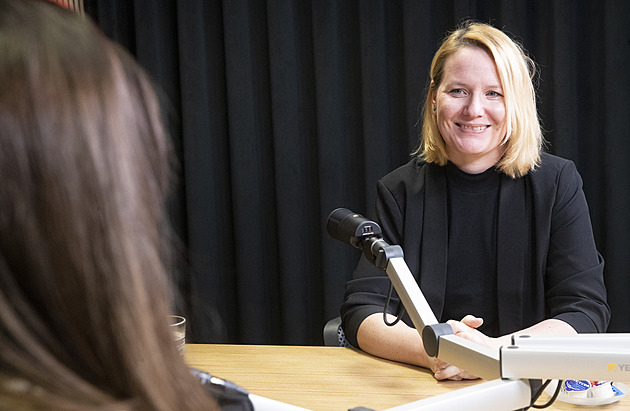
x,y
523,138
496,232
84,172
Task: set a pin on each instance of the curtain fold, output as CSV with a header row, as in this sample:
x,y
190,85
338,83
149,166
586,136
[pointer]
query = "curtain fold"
x,y
282,110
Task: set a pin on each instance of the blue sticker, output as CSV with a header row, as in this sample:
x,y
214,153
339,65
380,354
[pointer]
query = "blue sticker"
x,y
577,385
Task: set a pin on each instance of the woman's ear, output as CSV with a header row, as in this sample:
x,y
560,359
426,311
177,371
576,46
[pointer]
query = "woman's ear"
x,y
432,93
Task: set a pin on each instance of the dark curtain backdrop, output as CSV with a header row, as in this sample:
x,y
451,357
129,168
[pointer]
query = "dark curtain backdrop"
x,y
283,110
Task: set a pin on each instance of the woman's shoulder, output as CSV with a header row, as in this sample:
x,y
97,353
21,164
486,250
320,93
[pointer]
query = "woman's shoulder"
x,y
407,173
408,180
556,173
552,165
553,162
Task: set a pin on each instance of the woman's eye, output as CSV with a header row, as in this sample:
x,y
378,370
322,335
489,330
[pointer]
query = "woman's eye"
x,y
457,91
493,94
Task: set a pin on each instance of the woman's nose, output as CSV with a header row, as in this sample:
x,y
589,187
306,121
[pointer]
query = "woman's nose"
x,y
474,106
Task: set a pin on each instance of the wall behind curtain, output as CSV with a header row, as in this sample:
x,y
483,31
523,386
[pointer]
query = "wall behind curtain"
x,y
282,111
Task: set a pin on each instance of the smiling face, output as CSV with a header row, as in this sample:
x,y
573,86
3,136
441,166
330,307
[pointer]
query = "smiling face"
x,y
470,110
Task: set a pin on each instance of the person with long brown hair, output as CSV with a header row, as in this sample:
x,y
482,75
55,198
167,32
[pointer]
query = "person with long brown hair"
x,y
85,168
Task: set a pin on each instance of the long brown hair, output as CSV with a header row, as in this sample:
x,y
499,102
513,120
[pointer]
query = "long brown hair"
x,y
84,173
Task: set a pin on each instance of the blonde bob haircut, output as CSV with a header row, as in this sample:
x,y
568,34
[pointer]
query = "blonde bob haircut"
x,y
523,140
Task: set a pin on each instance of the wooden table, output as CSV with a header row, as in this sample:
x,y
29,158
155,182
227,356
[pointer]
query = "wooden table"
x,y
330,378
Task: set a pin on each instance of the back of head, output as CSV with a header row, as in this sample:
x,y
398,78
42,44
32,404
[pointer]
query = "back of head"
x,y
84,172
523,140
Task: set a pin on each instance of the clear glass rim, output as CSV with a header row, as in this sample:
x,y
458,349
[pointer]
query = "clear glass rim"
x,y
176,320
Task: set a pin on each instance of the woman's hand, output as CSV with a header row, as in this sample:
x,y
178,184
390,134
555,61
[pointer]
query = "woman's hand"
x,y
445,371
466,328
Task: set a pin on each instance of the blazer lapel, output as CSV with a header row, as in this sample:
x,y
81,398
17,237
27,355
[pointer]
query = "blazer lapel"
x,y
434,244
512,234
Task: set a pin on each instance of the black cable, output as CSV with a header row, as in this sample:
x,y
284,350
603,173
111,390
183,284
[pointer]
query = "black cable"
x,y
539,393
400,314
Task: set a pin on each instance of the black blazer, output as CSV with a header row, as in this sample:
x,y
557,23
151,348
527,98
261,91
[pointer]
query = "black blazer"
x,y
547,263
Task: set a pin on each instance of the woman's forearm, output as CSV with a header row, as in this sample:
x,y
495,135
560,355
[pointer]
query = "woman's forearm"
x,y
397,343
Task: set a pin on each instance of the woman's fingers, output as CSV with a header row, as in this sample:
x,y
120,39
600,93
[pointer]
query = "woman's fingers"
x,y
472,321
450,372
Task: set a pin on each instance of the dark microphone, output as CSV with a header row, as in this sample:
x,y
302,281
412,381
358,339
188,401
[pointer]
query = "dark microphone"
x,y
352,228
364,234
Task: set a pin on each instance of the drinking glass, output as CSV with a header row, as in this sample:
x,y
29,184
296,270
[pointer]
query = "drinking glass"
x,y
178,328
